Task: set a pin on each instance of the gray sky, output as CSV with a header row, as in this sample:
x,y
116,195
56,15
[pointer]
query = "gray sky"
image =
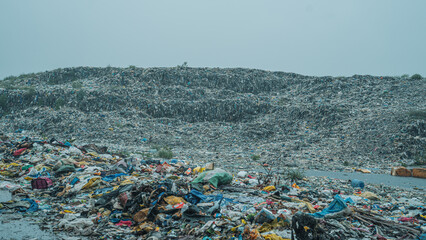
x,y
338,38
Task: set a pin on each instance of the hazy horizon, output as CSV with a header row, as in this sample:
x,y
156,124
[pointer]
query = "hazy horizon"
x,y
327,38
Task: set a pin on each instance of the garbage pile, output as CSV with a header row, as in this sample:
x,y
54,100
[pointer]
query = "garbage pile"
x,y
91,191
360,120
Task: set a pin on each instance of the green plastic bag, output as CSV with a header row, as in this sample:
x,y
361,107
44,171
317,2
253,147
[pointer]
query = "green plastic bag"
x,y
65,169
215,177
221,179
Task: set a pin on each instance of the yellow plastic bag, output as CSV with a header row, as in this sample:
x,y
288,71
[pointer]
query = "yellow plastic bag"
x,y
198,170
274,236
172,200
92,182
13,165
269,188
307,204
266,227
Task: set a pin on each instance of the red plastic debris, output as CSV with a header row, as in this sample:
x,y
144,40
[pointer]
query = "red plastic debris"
x,y
19,152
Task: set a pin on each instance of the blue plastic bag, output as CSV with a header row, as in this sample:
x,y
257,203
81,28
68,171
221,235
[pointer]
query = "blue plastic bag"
x,y
337,205
33,207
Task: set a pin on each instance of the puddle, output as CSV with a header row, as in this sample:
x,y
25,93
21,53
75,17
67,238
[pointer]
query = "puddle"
x,y
5,196
389,180
14,227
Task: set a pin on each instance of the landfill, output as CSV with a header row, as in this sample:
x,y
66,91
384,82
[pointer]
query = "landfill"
x,y
230,114
93,192
210,153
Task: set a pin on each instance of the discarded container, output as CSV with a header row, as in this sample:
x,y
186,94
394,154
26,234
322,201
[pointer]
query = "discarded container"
x,y
41,183
264,216
357,183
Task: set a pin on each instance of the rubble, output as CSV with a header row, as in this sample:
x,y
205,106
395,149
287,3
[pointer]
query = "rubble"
x,y
103,195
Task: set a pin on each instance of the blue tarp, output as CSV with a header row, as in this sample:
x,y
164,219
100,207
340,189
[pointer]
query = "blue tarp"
x,y
337,205
109,178
196,197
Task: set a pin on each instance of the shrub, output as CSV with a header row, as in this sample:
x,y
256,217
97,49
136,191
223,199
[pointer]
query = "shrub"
x,y
30,93
255,157
405,76
59,103
294,175
165,153
184,65
416,77
77,84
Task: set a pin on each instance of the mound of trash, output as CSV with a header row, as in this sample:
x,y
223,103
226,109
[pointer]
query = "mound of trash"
x,y
231,114
91,191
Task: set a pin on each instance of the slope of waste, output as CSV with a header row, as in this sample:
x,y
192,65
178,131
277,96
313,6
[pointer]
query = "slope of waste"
x,y
226,115
208,153
91,192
